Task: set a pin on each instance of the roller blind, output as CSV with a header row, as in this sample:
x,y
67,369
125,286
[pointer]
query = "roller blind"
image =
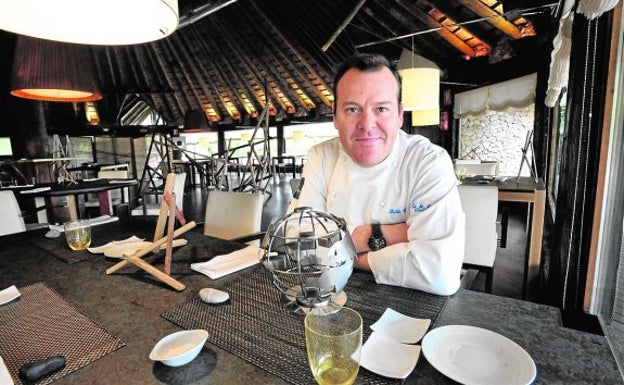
x,y
515,93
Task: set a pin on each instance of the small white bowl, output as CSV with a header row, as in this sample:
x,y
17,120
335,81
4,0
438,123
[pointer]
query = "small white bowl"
x,y
179,348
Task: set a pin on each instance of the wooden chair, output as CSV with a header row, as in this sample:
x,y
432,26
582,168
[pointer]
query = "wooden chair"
x,y
234,216
480,205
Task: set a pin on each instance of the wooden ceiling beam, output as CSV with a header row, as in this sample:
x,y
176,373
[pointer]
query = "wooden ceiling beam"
x,y
317,82
493,17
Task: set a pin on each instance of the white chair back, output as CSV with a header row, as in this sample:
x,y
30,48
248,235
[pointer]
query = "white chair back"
x,y
465,167
12,220
231,214
480,205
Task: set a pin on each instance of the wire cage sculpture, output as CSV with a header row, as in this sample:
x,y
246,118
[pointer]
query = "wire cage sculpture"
x,y
310,256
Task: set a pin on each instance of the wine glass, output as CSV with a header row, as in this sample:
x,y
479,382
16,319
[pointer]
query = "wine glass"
x,y
78,234
333,341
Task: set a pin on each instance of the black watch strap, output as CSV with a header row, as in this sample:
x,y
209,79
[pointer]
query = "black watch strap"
x,y
376,230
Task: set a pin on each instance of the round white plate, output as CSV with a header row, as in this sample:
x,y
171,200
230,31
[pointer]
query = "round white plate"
x,y
476,356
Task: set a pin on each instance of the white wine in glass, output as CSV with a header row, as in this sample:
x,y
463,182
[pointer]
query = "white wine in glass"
x,y
333,341
78,234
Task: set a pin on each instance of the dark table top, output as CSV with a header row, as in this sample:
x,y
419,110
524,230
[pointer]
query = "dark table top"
x,y
506,183
130,302
81,187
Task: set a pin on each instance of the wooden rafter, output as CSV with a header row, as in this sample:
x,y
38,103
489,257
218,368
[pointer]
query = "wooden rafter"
x,y
494,16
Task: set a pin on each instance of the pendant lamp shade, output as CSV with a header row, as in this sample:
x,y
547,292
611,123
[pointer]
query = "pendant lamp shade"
x,y
53,71
420,88
108,22
426,117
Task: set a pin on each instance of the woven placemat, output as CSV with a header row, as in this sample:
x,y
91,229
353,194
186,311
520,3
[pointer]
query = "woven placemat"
x,y
254,326
41,324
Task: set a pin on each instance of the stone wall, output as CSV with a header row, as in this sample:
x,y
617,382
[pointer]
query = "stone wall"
x,y
498,136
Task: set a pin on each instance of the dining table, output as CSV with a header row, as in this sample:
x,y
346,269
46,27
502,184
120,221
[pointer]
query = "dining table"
x,y
107,324
43,192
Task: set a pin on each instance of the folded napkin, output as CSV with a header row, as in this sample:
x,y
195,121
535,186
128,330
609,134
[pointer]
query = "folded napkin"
x,y
5,376
36,190
103,248
226,264
387,357
92,221
8,295
401,328
119,249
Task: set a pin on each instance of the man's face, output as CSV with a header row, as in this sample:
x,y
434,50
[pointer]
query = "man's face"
x,y
368,115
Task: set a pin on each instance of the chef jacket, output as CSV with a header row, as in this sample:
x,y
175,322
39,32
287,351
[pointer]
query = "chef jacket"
x,y
415,184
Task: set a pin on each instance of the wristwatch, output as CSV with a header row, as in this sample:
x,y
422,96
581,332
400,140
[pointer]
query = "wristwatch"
x,y
377,240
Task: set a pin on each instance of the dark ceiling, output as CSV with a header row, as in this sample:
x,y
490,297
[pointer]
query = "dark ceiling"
x,y
229,57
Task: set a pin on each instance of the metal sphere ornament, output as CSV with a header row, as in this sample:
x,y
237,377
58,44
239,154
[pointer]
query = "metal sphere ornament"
x,y
310,255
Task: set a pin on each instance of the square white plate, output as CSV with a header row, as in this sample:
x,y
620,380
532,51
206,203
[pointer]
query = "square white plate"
x,y
401,328
387,357
8,294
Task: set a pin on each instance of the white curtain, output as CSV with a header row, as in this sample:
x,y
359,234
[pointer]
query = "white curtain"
x,y
594,8
515,93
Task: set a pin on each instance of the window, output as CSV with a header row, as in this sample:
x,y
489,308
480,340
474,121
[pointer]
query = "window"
x,y
557,138
300,138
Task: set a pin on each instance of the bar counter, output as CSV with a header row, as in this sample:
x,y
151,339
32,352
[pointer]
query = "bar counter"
x,y
130,305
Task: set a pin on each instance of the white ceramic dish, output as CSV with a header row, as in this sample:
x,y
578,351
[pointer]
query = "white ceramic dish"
x,y
9,294
400,327
476,356
179,348
388,358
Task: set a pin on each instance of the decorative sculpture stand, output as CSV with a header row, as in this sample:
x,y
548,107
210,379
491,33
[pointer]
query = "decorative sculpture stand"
x,y
168,212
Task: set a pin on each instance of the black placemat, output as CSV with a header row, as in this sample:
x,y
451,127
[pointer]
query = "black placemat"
x,y
254,326
41,324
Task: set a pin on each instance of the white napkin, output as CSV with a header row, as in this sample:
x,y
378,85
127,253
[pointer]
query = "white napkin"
x,y
229,263
9,294
36,190
103,248
401,328
93,222
5,376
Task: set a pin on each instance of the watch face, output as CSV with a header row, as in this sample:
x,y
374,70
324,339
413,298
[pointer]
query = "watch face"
x,y
376,243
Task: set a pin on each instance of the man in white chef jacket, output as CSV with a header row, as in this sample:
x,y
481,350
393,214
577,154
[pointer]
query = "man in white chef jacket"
x,y
397,192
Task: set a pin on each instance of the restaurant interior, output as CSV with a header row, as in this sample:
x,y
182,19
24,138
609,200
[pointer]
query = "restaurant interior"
x,y
229,95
